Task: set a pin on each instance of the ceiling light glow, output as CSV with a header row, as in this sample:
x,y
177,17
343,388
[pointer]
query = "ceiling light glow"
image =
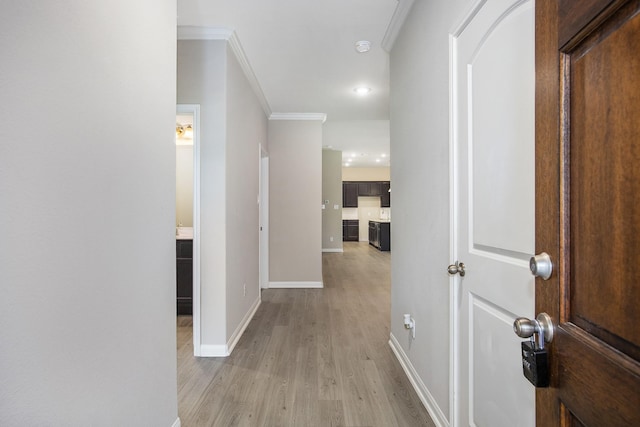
x,y
363,46
362,90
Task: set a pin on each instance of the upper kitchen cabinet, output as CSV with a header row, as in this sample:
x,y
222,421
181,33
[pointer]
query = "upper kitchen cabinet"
x,y
352,189
349,194
369,189
385,194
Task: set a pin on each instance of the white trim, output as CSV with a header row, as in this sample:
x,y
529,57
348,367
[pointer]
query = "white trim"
x,y
425,396
298,116
230,36
397,21
194,109
264,218
296,285
337,250
235,337
207,350
176,423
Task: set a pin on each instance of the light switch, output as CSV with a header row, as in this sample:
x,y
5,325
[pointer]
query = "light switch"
x,y
336,207
324,206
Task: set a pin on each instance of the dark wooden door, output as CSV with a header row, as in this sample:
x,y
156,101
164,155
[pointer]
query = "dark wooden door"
x,y
588,208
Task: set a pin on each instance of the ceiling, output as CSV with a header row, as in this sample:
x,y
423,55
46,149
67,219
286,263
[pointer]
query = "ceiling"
x,y
303,55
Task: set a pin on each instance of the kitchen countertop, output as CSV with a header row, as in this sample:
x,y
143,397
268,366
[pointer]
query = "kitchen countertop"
x,y
380,220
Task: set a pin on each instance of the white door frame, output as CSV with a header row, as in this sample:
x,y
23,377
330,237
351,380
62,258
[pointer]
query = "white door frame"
x,y
194,110
264,218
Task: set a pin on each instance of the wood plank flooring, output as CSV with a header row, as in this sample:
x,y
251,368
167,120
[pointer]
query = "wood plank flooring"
x,y
309,357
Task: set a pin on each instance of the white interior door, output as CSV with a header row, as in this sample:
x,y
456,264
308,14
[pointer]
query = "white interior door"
x,y
493,75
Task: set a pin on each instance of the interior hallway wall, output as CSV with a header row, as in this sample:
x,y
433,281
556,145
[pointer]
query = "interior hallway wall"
x,y
246,130
202,80
332,192
295,191
87,185
420,149
232,127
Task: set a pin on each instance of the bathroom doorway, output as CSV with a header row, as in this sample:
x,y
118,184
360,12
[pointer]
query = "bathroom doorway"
x,y
188,216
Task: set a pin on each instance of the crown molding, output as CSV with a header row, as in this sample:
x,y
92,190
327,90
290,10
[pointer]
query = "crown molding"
x,y
397,21
228,35
298,116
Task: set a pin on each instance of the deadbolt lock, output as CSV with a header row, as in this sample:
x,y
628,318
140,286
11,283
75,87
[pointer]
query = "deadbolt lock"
x,y
541,265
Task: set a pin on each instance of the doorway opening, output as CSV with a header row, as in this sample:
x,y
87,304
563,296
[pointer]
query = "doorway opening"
x,y
188,216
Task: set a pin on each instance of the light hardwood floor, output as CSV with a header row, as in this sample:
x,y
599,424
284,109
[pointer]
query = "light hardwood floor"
x,y
309,357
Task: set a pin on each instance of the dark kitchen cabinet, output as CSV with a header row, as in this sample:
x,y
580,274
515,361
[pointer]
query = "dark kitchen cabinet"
x,y
350,230
380,235
385,194
349,194
369,189
184,276
352,189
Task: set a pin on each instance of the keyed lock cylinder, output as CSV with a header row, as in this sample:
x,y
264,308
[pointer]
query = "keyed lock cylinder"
x,y
541,266
535,358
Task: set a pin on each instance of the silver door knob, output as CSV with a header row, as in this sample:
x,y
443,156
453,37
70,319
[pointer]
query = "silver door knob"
x,y
541,265
457,268
542,325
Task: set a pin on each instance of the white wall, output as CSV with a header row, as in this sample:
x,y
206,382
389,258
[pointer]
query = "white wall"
x,y
202,80
332,191
246,128
420,150
184,185
295,190
87,184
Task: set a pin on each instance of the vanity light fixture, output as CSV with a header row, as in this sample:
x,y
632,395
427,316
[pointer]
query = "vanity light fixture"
x,y
184,131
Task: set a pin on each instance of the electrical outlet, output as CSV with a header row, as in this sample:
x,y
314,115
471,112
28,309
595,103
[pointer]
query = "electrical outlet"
x,y
331,239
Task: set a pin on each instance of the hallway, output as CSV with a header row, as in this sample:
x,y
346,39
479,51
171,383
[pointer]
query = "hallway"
x,y
310,357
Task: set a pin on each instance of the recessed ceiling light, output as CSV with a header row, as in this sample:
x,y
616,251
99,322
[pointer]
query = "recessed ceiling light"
x,y
383,155
363,46
362,90
377,160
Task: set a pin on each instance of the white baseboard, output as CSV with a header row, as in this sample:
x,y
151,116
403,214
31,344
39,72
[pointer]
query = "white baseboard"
x,y
295,285
235,337
225,350
332,250
425,396
176,423
213,350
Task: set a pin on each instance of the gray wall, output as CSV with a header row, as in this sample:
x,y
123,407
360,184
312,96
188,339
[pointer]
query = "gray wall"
x,y
420,177
246,128
232,125
295,191
87,183
332,191
202,80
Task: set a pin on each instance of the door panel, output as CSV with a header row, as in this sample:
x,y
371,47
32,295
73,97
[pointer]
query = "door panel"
x,y
494,164
587,211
